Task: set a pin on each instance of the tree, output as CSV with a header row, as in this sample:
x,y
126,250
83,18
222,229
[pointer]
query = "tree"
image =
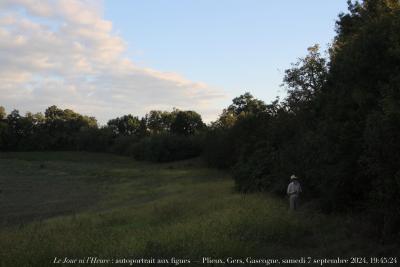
x,y
241,106
225,121
53,113
62,127
246,104
159,121
305,78
187,123
3,128
15,129
2,113
125,125
365,56
3,135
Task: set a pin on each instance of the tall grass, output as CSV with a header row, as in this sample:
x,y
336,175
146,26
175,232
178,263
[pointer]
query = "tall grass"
x,y
179,210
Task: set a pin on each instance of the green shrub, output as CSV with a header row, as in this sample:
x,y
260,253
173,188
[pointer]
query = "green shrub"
x,y
166,147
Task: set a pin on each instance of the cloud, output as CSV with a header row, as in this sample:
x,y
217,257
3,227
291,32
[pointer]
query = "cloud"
x,y
64,53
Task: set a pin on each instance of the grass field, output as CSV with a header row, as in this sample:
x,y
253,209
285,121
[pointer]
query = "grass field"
x,y
79,205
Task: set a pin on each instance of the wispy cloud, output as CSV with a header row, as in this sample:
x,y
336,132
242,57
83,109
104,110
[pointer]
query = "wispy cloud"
x,y
65,53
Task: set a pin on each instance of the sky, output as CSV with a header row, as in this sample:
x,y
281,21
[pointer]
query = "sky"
x,y
113,57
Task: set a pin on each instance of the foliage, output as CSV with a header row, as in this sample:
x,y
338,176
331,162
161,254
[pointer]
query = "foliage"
x,y
246,104
125,125
233,130
2,113
187,123
166,147
241,106
219,148
160,121
337,129
158,136
305,79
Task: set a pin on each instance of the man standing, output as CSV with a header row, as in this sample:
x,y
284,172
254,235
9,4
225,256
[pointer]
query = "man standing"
x,y
293,190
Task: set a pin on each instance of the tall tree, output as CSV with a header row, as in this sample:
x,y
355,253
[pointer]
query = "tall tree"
x,y
126,125
305,78
187,123
2,113
246,104
160,121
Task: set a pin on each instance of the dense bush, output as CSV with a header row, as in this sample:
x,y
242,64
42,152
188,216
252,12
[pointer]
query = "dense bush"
x,y
219,148
123,144
166,147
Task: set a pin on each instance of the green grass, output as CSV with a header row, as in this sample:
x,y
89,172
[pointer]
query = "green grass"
x,y
69,204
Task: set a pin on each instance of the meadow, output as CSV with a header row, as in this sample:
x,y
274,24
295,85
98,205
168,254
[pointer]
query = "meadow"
x,y
75,205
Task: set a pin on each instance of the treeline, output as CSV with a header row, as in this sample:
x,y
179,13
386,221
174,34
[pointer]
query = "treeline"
x,y
338,129
158,136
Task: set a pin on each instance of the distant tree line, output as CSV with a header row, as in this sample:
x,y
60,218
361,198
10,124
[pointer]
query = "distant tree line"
x,y
158,136
338,127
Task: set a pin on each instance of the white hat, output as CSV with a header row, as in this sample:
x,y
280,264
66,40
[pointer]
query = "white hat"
x,y
293,177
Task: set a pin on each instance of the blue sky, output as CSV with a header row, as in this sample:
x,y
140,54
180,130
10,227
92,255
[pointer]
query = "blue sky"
x,y
111,58
235,45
